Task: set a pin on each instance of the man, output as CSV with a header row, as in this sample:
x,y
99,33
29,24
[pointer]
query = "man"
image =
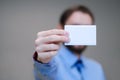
x,y
55,61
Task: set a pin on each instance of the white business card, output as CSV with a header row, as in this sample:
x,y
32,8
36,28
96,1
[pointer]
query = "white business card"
x,y
81,34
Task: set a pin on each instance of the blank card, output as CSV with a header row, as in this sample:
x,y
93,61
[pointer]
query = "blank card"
x,y
81,34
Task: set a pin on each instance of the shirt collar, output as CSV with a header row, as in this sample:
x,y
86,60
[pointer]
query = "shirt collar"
x,y
69,58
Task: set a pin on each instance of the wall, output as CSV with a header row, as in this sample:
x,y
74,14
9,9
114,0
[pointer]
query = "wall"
x,y
20,20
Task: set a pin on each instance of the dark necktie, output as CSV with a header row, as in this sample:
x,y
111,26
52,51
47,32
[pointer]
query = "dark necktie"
x,y
79,65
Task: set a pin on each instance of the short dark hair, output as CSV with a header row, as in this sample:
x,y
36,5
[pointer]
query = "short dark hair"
x,y
67,13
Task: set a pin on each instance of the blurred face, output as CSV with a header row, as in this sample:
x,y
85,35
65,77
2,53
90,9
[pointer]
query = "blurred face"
x,y
78,18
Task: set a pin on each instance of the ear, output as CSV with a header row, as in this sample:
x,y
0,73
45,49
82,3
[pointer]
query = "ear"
x,y
59,26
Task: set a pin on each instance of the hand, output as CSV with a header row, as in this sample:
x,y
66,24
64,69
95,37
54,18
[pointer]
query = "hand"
x,y
48,43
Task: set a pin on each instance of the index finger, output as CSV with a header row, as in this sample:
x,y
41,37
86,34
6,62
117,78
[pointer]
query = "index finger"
x,y
52,32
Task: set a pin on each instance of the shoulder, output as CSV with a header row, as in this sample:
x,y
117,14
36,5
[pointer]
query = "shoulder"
x,y
95,68
91,63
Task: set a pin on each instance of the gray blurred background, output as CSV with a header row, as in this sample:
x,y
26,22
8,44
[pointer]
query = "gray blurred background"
x,y
20,20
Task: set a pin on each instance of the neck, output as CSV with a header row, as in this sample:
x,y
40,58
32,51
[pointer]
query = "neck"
x,y
78,55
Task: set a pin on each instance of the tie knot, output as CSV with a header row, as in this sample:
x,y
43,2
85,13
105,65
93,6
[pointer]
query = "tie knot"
x,y
79,62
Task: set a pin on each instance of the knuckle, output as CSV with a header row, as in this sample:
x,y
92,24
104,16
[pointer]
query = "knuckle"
x,y
36,41
37,49
38,33
40,49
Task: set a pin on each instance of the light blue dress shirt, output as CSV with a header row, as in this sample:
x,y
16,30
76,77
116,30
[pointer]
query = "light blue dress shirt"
x,y
61,67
